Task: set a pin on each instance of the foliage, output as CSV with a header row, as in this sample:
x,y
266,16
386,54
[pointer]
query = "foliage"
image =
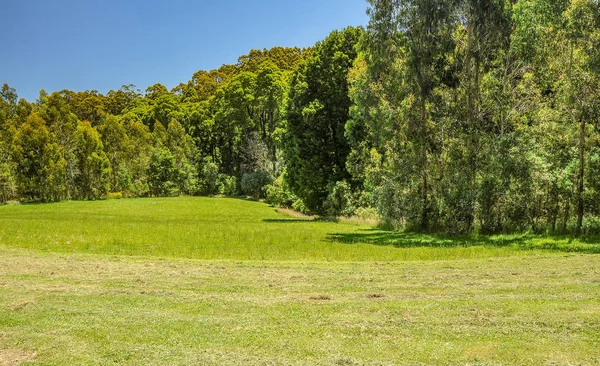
x,y
456,117
40,167
209,178
299,206
317,111
279,194
162,173
477,116
228,185
255,184
341,200
93,166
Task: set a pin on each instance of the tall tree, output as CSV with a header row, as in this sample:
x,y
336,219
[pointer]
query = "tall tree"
x,y
39,163
93,178
318,109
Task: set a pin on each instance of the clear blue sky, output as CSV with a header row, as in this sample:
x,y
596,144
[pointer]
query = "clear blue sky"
x,y
103,44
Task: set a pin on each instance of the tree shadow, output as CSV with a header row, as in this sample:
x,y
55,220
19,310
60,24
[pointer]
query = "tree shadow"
x,y
419,240
293,220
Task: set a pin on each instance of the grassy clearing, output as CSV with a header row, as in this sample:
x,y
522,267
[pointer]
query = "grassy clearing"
x,y
232,282
207,228
74,309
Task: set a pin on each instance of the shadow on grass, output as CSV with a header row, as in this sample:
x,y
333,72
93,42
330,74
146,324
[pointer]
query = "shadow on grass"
x,y
418,240
292,220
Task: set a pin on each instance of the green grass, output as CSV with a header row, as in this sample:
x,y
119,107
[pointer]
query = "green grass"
x,y
103,310
232,282
208,228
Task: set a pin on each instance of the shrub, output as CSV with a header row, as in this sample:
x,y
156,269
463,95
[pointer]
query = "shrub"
x,y
139,188
114,195
8,186
124,179
278,193
209,178
227,185
389,204
255,184
187,179
162,173
341,200
299,206
591,226
367,213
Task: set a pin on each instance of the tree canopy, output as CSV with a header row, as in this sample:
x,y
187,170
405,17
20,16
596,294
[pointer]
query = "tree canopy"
x,y
454,116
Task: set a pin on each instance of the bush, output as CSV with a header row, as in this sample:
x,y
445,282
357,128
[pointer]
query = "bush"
x,y
139,188
367,213
187,179
114,195
389,205
227,185
591,226
278,193
341,200
162,173
8,186
124,179
299,206
209,178
255,184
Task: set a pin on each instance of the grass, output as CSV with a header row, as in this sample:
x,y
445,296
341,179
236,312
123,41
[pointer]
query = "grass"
x,y
103,310
232,282
209,228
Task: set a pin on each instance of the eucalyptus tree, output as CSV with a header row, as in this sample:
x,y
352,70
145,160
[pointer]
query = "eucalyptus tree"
x,y
39,163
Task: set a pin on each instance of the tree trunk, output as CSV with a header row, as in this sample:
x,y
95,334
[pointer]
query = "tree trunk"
x,y
425,186
581,174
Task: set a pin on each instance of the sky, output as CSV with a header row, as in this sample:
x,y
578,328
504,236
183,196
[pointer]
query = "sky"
x,y
104,44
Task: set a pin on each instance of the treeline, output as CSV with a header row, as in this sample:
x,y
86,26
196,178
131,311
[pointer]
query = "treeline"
x,y
474,115
453,116
219,133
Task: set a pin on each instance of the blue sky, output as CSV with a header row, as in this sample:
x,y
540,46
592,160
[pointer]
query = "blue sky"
x,y
103,44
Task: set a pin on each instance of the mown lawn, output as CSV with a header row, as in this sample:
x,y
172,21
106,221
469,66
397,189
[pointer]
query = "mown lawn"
x,y
215,228
231,282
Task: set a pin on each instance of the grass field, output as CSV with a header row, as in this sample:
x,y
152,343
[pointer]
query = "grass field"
x,y
213,228
232,282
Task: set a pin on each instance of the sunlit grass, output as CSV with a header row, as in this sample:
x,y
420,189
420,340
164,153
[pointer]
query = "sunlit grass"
x,y
217,228
112,310
112,282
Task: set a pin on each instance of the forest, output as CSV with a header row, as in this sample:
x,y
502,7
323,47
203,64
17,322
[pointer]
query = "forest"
x,y
449,116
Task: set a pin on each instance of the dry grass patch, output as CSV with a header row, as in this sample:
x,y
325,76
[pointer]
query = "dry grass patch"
x,y
15,356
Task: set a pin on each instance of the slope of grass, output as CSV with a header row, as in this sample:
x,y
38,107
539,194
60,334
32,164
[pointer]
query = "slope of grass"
x,y
58,309
232,282
210,228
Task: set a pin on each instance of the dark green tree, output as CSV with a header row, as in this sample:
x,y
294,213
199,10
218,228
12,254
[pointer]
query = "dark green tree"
x,y
318,105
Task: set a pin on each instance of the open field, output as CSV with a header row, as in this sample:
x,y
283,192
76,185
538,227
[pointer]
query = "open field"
x,y
213,228
231,282
74,309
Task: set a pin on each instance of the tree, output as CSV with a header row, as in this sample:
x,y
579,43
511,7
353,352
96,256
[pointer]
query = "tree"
x,y
185,156
39,163
270,89
94,169
318,105
115,141
162,173
62,123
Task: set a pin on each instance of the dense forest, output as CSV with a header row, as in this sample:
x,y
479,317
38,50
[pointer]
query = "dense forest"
x,y
454,116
